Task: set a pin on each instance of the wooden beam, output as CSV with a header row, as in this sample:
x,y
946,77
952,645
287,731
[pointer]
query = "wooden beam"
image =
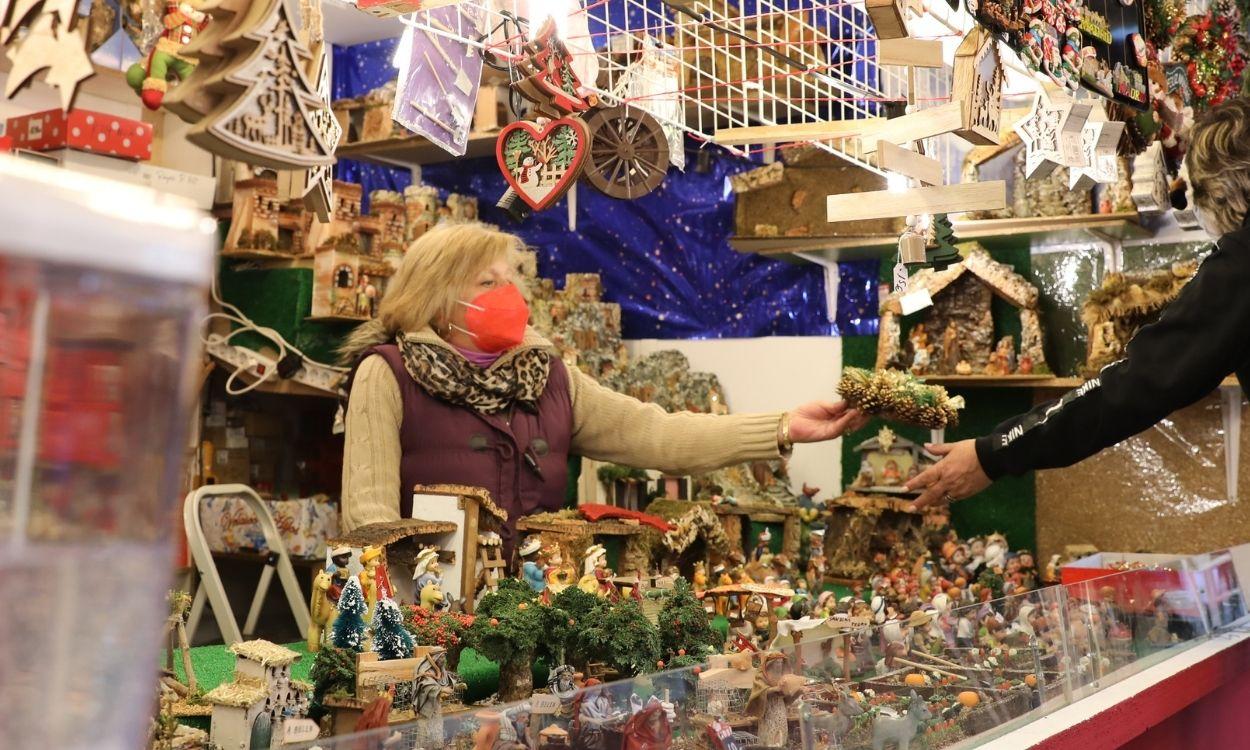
x,y
909,163
806,131
884,204
887,18
926,123
919,53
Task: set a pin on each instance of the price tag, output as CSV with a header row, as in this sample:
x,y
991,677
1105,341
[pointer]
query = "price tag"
x,y
544,703
299,730
915,301
900,277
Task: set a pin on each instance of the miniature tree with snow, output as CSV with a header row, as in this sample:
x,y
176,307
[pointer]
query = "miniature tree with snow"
x,y
349,626
390,638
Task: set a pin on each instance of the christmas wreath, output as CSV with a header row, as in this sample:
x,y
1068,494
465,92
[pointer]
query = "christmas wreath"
x,y
1213,52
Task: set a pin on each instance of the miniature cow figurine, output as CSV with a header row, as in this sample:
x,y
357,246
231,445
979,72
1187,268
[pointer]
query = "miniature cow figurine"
x,y
900,730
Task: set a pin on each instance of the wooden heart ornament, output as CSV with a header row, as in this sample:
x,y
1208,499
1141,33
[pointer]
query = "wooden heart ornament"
x,y
542,164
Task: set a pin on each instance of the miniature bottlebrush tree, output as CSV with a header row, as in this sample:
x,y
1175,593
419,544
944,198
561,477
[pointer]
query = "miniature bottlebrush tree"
x,y
686,634
509,627
390,639
621,635
349,626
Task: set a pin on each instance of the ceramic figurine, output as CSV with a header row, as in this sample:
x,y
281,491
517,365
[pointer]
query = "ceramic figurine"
x,y
774,690
427,576
182,22
559,576
1028,570
723,578
698,581
922,350
374,580
596,576
996,551
1052,570
816,563
592,713
326,589
809,508
649,728
532,565
963,368
1003,359
761,544
562,683
899,731
952,353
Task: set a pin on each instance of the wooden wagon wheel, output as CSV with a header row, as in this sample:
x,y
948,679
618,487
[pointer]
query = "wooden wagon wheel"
x,y
628,152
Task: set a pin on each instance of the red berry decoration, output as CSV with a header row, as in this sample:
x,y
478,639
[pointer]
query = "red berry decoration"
x,y
494,622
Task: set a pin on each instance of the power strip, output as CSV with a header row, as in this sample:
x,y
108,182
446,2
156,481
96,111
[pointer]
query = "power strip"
x,y
256,365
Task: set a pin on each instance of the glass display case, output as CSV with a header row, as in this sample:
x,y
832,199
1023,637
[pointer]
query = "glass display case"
x,y
953,675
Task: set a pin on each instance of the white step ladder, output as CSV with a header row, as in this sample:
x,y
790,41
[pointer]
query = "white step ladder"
x,y
212,592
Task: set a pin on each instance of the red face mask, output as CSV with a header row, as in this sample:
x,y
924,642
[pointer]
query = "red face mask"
x,y
497,319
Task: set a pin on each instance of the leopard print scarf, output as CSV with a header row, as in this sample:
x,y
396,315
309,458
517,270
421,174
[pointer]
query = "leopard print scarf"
x,y
444,374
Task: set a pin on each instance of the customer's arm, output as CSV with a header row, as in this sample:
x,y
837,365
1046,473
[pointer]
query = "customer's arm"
x,y
371,451
1203,336
609,426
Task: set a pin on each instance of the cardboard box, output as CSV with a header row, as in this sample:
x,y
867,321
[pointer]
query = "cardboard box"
x,y
83,130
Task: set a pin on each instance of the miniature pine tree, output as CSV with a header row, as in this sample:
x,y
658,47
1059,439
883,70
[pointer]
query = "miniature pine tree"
x,y
944,254
390,639
349,626
686,634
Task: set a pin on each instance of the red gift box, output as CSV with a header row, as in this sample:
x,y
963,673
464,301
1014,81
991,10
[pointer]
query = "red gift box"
x,y
83,130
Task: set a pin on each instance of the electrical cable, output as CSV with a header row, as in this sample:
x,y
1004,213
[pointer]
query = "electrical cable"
x,y
247,325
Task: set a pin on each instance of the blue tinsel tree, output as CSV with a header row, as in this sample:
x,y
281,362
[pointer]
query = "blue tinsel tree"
x,y
390,638
349,626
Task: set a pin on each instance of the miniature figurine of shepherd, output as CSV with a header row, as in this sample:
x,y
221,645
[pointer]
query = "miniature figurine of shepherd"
x,y
761,545
774,690
596,577
374,580
427,576
532,569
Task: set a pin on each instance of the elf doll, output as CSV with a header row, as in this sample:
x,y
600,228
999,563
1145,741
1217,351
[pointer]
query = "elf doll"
x,y
150,76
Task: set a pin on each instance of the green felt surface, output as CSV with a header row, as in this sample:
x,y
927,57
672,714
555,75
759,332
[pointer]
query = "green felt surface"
x,y
1007,506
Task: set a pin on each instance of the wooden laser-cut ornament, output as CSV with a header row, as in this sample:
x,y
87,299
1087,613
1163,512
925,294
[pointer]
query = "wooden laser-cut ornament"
x,y
540,165
1150,180
49,43
1099,138
978,82
1042,132
319,197
265,116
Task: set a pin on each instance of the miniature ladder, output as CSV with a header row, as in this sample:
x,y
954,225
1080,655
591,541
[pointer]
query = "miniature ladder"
x,y
210,587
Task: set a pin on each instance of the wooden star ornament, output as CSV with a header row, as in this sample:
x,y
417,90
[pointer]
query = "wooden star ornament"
x,y
1099,138
1041,132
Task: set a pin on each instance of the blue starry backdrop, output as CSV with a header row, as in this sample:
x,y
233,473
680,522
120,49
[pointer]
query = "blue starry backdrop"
x,y
665,257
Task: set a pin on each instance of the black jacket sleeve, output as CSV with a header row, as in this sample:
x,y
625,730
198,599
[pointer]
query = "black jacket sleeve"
x,y
1201,338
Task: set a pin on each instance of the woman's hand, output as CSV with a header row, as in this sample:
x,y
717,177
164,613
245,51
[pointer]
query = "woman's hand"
x,y
955,476
824,420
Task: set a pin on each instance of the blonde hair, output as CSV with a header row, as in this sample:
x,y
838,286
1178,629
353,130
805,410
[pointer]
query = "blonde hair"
x,y
424,291
1219,164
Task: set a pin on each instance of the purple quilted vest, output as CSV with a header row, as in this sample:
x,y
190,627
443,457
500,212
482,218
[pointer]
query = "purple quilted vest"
x,y
442,443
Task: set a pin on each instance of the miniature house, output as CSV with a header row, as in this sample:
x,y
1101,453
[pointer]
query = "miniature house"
x,y
254,223
421,210
261,694
888,461
387,207
349,275
956,334
1122,305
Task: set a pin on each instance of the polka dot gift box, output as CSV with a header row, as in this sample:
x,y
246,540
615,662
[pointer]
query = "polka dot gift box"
x,y
83,130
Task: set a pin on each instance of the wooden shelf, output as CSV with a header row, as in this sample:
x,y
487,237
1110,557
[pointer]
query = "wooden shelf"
x,y
1044,230
336,319
1021,381
409,150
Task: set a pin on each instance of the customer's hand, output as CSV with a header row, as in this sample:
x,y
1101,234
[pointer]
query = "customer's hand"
x,y
957,475
824,420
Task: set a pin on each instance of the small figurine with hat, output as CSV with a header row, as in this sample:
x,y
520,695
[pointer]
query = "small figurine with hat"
x,y
326,589
596,577
374,580
427,576
761,544
816,564
530,552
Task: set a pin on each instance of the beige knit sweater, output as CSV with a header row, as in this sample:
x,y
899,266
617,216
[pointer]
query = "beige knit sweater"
x,y
607,426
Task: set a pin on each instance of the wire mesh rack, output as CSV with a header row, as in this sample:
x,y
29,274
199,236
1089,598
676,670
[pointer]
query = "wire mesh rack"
x,y
700,66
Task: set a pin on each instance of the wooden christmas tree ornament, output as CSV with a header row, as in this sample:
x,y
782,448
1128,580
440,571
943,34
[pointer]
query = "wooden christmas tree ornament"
x,y
541,164
1099,139
266,113
978,83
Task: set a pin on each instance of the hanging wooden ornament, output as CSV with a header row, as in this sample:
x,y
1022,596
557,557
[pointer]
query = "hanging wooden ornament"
x,y
1150,180
1099,138
540,164
48,44
265,116
628,152
319,197
978,83
549,76
1042,132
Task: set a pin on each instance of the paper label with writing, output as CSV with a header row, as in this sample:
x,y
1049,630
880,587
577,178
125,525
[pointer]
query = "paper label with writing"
x,y
543,703
299,730
900,277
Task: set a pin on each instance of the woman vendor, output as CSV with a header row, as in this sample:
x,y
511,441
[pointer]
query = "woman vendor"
x,y
452,387
1199,340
